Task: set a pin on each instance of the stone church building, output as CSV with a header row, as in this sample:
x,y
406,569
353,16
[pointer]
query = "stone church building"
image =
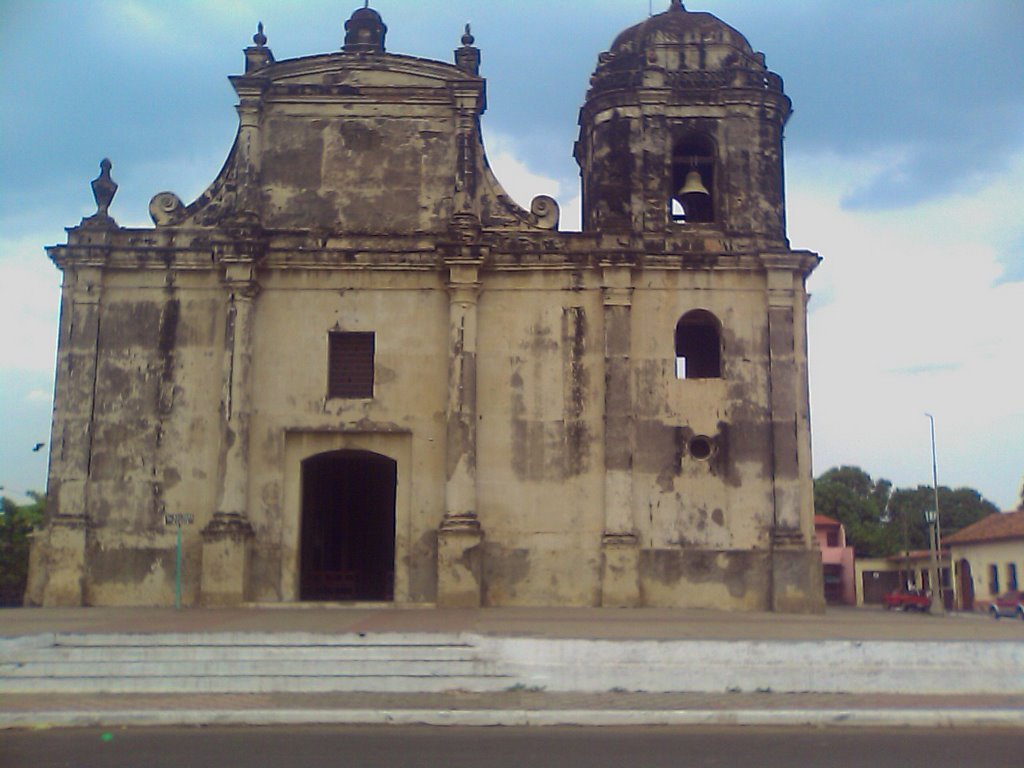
x,y
364,373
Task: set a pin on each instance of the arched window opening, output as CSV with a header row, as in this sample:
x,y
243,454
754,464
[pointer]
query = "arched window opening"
x,y
692,197
698,346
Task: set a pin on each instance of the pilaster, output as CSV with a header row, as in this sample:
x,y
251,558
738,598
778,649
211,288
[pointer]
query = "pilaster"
x,y
796,573
782,402
460,536
72,431
250,146
620,584
469,104
227,538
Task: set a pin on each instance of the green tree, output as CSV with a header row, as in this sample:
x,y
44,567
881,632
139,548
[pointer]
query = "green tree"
x,y
849,495
16,523
957,509
880,521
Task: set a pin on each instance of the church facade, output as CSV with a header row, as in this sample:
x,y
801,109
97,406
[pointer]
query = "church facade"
x,y
357,370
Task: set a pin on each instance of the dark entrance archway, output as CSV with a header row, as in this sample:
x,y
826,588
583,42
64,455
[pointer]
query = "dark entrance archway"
x,y
348,526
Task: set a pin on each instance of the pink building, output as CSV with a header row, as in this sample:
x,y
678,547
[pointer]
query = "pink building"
x,y
836,561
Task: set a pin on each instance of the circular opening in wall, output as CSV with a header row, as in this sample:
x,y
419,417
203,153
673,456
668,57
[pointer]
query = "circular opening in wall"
x,y
701,447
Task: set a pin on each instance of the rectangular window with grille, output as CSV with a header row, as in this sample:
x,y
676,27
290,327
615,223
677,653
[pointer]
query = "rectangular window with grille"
x,y
350,364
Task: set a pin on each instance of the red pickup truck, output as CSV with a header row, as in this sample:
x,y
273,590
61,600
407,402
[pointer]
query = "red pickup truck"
x,y
908,600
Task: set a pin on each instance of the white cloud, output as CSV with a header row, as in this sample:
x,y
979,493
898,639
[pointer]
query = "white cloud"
x,y
142,19
29,304
38,396
915,321
160,22
523,184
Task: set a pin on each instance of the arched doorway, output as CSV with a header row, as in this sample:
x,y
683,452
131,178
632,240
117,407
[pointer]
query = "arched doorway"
x,y
966,587
347,549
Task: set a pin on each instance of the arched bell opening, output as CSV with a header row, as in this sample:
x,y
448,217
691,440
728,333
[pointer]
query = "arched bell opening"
x,y
692,196
347,549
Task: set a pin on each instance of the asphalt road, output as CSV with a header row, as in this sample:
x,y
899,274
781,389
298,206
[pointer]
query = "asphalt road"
x,y
424,747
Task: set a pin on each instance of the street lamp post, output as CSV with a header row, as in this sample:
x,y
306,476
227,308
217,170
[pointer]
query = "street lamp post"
x,y
931,517
934,536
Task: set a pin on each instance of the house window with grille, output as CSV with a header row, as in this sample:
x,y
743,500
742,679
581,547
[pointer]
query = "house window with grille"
x,y
993,579
350,365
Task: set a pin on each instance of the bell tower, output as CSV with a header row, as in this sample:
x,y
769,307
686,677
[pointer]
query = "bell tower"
x,y
682,129
704,319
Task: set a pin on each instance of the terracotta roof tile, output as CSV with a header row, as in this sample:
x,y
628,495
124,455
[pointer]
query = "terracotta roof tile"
x,y
825,520
995,527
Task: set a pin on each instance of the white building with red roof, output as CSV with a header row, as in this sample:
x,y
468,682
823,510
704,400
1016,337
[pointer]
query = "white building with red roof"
x,y
988,558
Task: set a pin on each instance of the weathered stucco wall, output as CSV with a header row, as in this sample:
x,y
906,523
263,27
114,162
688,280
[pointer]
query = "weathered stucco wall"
x,y
524,379
154,446
723,501
540,438
407,312
370,173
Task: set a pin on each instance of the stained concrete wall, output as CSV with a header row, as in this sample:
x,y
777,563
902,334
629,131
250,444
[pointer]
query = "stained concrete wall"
x,y
703,525
524,377
408,314
540,439
374,173
154,446
722,502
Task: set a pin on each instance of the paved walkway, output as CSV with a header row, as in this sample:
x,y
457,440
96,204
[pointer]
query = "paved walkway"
x,y
598,623
517,706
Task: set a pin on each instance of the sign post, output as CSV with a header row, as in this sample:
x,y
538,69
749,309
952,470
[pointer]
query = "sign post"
x,y
178,519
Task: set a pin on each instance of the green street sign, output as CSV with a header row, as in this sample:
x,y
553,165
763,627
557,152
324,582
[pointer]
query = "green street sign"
x,y
178,519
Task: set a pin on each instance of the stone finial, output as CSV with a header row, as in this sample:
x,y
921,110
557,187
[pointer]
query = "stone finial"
x,y
103,190
259,38
677,5
258,55
365,31
467,58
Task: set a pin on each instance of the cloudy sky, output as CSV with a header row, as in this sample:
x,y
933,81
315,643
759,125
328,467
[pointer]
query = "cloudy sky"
x,y
905,171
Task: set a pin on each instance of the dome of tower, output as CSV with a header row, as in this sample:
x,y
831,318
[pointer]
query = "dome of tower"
x,y
678,26
687,46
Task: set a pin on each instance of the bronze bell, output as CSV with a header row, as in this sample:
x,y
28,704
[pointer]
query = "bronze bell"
x,y
693,185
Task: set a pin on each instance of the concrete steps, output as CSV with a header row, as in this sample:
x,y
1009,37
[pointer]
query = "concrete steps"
x,y
244,663
423,663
